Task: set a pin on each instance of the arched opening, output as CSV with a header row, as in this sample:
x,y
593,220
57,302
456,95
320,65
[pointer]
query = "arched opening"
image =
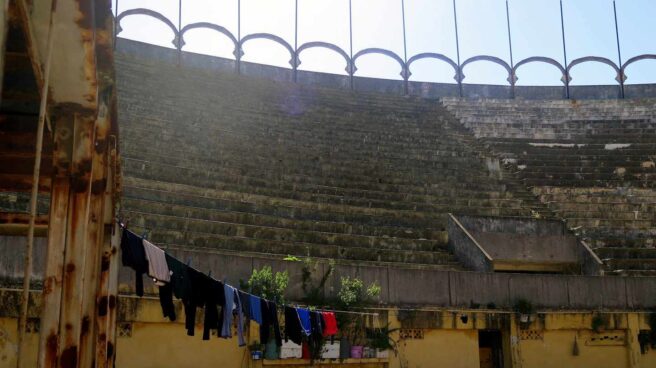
x,y
538,73
641,72
208,42
432,70
591,73
485,72
145,28
266,51
378,66
320,59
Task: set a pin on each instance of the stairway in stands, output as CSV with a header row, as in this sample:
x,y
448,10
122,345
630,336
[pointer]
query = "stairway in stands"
x,y
592,162
237,164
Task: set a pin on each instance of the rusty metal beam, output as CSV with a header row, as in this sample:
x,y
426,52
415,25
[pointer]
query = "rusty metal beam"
x,y
52,284
95,234
70,323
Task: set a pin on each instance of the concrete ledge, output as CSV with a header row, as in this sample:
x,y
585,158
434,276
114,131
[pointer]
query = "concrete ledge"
x,y
409,286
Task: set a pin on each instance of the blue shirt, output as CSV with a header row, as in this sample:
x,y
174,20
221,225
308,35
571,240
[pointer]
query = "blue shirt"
x,y
304,316
256,309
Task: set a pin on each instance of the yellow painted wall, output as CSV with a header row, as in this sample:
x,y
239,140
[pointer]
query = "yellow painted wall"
x,y
158,343
439,348
557,347
9,344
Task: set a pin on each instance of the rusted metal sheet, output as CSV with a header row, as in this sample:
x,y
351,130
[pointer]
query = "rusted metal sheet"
x,y
70,325
109,289
107,300
52,284
95,234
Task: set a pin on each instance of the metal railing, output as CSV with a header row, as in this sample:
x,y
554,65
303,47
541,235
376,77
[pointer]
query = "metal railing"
x,y
404,62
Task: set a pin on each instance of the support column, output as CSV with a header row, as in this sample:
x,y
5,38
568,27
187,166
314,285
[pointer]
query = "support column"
x,y
515,347
633,345
78,219
95,238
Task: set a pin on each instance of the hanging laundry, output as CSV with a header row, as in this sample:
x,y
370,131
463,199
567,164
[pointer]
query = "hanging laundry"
x,y
304,317
240,318
214,298
330,324
244,298
134,256
229,295
166,301
157,267
270,322
255,312
315,341
181,287
316,323
293,329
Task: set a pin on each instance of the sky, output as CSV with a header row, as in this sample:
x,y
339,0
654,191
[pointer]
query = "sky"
x,y
429,24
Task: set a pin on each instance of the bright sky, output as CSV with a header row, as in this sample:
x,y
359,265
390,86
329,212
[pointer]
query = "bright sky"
x,y
535,27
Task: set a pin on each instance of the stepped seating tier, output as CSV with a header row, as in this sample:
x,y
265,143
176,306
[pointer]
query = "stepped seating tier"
x,y
593,163
235,164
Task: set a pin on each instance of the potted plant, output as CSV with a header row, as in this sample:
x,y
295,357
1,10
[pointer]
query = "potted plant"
x,y
271,286
382,342
354,294
598,323
525,310
256,350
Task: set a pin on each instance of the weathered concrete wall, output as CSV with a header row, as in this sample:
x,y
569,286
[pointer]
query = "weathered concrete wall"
x,y
466,249
12,258
528,248
423,89
420,286
527,240
523,226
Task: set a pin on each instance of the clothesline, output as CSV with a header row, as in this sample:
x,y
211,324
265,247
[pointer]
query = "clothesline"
x,y
199,290
124,227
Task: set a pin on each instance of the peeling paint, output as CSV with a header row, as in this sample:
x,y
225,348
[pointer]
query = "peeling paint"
x,y
614,146
558,145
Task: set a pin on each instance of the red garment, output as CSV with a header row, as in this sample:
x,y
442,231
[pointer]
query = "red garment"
x,y
330,327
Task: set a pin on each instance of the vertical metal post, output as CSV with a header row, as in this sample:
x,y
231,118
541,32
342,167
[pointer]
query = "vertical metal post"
x,y
512,62
352,66
405,73
562,26
116,25
29,249
620,76
295,56
179,33
459,72
238,49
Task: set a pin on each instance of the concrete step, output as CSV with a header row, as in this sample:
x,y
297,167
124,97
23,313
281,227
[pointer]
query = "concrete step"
x,y
261,232
626,253
330,191
205,209
234,243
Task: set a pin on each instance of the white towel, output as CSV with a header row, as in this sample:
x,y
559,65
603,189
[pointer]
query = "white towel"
x,y
157,267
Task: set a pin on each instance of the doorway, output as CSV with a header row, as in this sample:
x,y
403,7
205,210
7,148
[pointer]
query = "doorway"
x,y
490,349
